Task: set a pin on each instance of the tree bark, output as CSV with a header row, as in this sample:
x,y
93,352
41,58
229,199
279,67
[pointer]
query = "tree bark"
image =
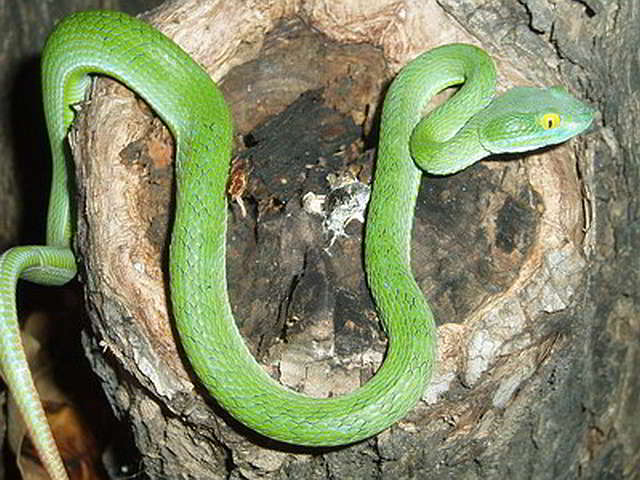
x,y
529,262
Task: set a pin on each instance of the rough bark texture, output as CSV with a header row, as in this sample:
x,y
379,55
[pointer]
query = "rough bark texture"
x,y
528,263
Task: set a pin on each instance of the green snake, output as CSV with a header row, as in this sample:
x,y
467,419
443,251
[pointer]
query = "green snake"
x,y
472,124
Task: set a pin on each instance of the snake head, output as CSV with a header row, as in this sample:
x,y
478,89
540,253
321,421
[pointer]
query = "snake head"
x,y
526,118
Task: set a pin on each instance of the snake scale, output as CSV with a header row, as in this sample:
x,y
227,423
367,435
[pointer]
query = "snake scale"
x,y
474,123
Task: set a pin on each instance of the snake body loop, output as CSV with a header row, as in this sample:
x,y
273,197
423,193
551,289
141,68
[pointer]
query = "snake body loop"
x,y
469,126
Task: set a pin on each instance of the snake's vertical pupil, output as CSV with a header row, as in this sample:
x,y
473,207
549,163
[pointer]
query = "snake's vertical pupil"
x,y
550,120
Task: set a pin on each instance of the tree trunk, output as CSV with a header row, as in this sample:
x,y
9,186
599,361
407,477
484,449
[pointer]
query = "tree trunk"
x,y
24,149
528,262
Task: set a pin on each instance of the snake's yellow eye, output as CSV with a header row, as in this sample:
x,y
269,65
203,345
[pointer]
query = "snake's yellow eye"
x,y
550,120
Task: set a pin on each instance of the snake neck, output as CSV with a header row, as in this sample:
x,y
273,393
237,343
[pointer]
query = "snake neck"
x,y
445,156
